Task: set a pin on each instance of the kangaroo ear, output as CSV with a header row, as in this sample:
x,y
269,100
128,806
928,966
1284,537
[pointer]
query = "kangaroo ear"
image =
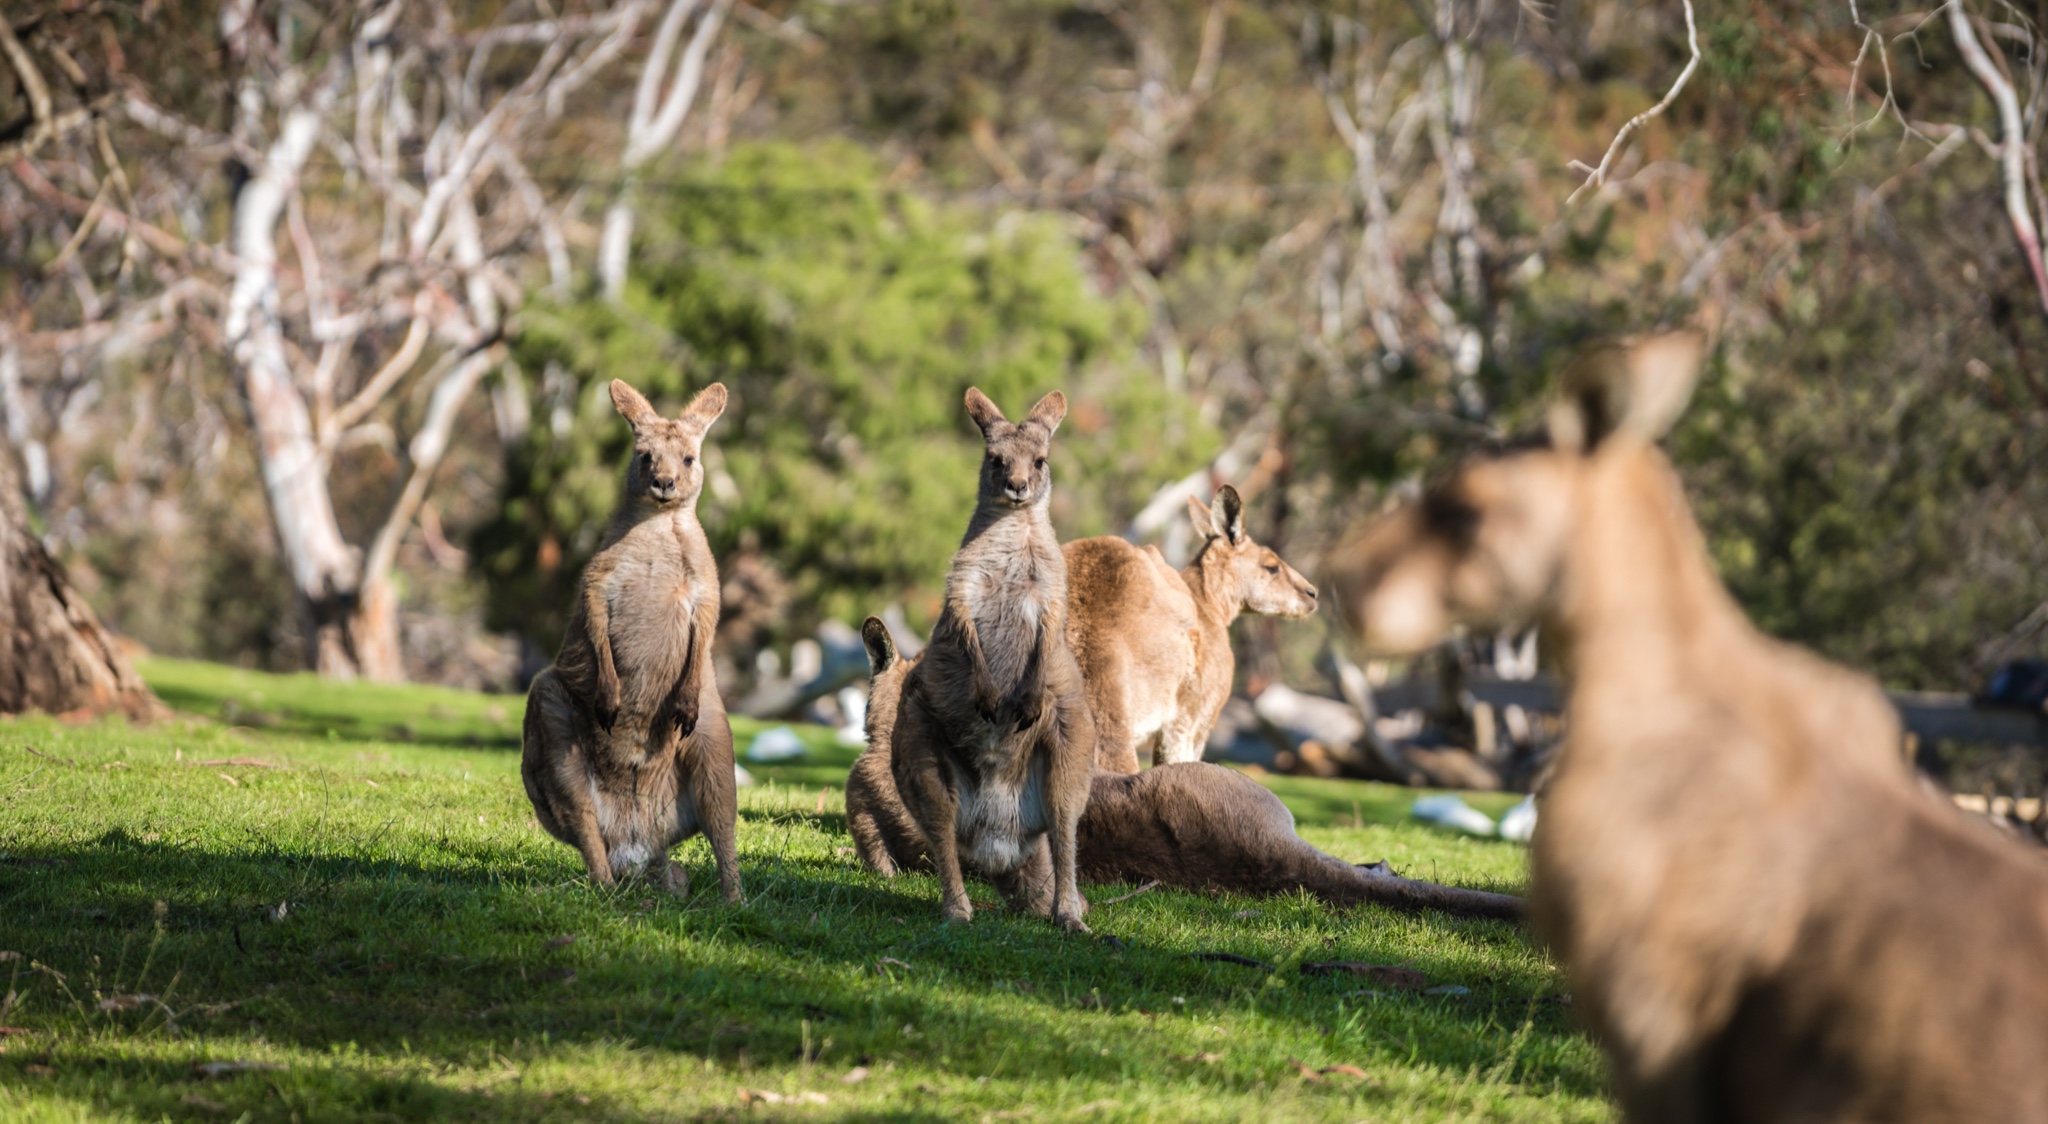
x,y
880,645
1050,411
1229,515
983,411
1635,388
705,407
1205,523
631,404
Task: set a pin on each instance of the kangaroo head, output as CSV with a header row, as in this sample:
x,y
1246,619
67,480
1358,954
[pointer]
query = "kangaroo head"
x,y
668,468
1265,582
1485,544
1014,472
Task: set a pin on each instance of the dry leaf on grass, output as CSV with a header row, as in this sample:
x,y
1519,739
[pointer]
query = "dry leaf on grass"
x,y
238,762
229,779
125,1002
1309,1073
769,1096
34,1070
855,1076
563,941
892,961
207,1103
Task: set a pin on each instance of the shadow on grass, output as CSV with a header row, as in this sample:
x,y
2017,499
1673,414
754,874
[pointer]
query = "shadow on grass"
x,y
459,960
337,1089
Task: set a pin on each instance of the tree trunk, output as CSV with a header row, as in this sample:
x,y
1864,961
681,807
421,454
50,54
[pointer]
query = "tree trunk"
x,y
54,656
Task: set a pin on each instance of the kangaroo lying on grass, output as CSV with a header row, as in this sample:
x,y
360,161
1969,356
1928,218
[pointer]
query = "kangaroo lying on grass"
x,y
1764,917
1154,645
628,751
1005,742
1192,825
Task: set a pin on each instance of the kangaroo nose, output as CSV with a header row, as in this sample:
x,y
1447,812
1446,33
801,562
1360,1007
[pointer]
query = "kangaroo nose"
x,y
664,482
1311,591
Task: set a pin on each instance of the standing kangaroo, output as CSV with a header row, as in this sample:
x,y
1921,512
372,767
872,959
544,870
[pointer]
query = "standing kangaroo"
x,y
1764,917
628,751
1005,744
1154,645
1193,826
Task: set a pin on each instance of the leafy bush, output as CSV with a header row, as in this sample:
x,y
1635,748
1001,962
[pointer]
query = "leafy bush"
x,y
848,321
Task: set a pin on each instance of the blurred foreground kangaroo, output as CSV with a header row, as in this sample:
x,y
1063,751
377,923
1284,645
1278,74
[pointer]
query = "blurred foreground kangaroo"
x,y
1192,826
1764,917
1154,645
628,751
1006,744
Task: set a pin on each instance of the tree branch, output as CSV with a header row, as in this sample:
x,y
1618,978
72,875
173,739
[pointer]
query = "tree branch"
x,y
1596,177
2012,151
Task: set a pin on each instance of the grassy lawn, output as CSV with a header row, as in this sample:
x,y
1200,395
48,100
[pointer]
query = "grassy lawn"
x,y
303,901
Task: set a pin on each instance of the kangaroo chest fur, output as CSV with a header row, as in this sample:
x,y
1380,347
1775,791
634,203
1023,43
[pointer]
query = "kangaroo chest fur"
x,y
653,595
1009,578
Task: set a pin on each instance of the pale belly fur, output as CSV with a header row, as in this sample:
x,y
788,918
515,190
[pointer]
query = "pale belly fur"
x,y
996,823
640,829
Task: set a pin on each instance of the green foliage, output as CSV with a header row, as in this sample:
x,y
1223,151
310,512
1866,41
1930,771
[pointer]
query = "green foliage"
x,y
847,321
439,958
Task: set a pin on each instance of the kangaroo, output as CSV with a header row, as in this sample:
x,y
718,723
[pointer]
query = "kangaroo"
x,y
1763,916
1006,743
1154,645
627,748
1191,825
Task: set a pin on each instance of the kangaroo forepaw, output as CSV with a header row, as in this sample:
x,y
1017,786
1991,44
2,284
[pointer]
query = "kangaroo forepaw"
x,y
956,913
1071,922
685,716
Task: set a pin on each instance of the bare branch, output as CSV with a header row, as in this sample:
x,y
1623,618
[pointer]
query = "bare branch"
x,y
2012,151
366,400
1595,177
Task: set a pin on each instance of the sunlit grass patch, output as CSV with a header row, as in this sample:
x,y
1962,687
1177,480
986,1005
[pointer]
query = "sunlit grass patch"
x,y
358,924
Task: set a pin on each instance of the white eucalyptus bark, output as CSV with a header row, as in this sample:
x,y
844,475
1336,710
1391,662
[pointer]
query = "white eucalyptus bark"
x,y
2013,151
656,120
324,569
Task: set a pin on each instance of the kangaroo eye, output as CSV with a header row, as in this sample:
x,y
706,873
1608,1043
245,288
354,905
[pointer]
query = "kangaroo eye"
x,y
1039,463
688,461
1272,569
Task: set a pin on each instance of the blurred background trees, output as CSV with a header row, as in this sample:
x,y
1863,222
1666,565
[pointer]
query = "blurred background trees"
x,y
1307,248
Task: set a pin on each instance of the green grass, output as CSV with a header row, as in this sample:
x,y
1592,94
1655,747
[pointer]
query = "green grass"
x,y
438,957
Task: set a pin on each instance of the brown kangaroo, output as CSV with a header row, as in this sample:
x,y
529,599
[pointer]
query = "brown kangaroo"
x,y
1154,645
1764,917
1005,741
628,751
1192,825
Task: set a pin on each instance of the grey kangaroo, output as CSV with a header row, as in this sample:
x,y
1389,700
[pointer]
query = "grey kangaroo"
x,y
628,751
999,772
1190,825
